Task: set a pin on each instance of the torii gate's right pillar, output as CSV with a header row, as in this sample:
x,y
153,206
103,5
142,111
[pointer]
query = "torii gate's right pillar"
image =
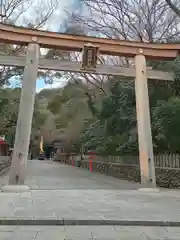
x,y
146,156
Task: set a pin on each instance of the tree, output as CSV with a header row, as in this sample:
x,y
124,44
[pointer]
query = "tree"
x,y
173,6
74,27
134,20
48,129
166,127
29,13
26,13
114,129
69,108
141,20
9,104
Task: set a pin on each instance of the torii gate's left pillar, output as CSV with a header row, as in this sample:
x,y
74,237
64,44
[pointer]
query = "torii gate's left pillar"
x,y
24,123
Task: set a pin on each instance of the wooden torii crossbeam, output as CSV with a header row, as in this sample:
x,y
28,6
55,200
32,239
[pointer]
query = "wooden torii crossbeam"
x,y
71,66
23,36
35,39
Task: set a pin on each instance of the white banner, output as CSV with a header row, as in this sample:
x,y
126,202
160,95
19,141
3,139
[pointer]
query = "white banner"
x,y
2,137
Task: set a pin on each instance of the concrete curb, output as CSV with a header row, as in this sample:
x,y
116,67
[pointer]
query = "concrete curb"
x,y
15,188
64,222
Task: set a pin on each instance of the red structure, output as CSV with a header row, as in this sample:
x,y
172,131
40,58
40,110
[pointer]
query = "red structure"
x,y
92,155
4,148
73,162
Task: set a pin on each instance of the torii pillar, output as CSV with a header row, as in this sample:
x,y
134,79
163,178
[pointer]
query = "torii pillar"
x,y
148,179
24,123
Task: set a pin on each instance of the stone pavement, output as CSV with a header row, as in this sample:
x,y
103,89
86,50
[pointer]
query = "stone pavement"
x,y
62,195
88,232
49,175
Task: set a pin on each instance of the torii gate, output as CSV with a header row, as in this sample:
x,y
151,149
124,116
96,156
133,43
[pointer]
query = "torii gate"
x,y
35,39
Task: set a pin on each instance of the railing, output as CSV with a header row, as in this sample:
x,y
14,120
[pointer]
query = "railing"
x,y
167,167
167,160
161,160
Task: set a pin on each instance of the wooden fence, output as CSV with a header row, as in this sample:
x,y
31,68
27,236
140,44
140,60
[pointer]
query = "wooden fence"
x,y
162,160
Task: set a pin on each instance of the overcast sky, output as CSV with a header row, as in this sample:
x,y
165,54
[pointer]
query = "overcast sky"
x,y
57,24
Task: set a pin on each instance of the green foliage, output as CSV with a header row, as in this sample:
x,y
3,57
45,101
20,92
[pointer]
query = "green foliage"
x,y
114,129
110,125
112,132
69,104
176,83
166,125
9,106
104,123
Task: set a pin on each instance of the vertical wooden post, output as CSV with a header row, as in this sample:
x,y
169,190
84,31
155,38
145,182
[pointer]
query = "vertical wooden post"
x,y
143,121
23,129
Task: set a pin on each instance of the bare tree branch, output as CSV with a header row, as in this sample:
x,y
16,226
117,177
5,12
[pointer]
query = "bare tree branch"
x,y
140,20
173,7
29,13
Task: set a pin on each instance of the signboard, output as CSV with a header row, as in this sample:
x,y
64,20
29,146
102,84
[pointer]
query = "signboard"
x,y
90,55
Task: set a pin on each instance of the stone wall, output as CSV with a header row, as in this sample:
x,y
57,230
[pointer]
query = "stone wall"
x,y
165,177
5,162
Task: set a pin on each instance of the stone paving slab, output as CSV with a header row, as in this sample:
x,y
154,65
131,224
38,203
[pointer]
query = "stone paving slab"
x,y
91,205
88,232
48,175
61,192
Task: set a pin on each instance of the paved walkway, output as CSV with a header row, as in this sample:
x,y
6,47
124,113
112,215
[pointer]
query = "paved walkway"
x,y
49,175
62,195
88,233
